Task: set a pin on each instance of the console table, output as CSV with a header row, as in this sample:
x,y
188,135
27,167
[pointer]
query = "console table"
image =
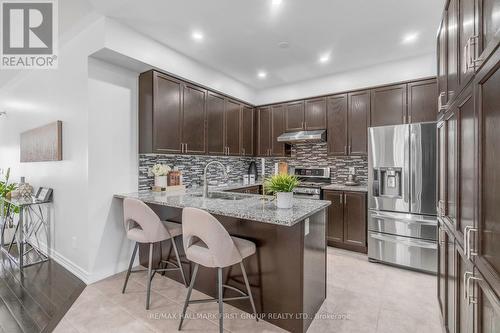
x,y
23,248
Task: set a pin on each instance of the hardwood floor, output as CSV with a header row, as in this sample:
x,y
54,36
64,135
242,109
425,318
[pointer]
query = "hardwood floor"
x,y
36,300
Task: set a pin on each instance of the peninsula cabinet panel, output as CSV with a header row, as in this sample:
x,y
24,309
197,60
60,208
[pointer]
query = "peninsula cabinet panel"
x,y
278,128
358,121
294,116
422,97
337,124
247,131
315,114
232,127
264,131
451,278
488,105
193,120
388,105
215,124
441,183
167,114
335,216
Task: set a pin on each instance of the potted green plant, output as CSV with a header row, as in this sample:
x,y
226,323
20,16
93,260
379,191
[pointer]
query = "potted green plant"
x,y
282,186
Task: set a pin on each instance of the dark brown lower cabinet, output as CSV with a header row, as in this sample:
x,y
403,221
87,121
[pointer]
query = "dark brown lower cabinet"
x,y
347,220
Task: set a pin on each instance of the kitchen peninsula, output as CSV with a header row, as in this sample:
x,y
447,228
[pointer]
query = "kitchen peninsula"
x,y
288,274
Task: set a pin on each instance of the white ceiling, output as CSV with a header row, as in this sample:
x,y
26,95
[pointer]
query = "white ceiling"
x,y
242,36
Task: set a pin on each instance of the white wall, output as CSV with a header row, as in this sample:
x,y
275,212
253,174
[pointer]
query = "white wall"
x,y
38,97
408,69
112,163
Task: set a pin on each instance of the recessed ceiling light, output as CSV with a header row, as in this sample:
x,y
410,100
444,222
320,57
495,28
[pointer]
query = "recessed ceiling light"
x,y
276,3
196,35
283,45
262,74
410,38
324,58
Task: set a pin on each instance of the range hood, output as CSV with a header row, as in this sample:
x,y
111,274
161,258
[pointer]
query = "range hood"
x,y
303,136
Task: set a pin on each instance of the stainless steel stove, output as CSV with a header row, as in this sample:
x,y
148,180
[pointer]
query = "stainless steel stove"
x,y
311,181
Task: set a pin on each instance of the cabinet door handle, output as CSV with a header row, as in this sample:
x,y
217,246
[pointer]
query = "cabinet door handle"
x,y
182,148
345,150
349,149
185,147
345,199
409,119
404,119
341,201
466,291
441,107
470,252
470,299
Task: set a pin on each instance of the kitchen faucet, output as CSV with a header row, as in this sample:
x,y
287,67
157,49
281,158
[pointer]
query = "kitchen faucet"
x,y
205,183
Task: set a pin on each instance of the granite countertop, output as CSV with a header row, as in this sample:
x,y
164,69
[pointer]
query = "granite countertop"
x,y
252,207
233,186
341,187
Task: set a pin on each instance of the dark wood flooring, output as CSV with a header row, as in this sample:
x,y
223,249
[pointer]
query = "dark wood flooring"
x,y
37,299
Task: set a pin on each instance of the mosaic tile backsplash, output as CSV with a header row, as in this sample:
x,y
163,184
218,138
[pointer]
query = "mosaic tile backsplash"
x,y
303,154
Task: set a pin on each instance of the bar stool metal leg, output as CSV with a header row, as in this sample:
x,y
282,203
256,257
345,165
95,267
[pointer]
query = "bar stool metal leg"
x,y
221,301
179,261
188,296
150,264
130,266
249,292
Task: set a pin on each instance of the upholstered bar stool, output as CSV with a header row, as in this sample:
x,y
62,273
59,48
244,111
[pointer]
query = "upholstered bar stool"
x,y
142,225
207,243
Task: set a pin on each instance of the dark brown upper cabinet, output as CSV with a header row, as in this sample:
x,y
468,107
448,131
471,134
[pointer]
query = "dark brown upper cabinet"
x,y
422,106
294,116
232,127
305,115
388,105
452,45
215,124
442,68
264,131
489,30
337,124
357,121
467,31
160,113
278,128
193,119
247,131
315,114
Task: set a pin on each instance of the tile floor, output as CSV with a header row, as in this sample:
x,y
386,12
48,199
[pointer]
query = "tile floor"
x,y
361,297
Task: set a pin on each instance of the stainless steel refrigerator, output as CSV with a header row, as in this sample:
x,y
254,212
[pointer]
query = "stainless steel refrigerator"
x,y
402,223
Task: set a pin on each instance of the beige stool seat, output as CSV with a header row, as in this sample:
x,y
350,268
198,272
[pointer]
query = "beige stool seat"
x,y
142,225
199,253
207,243
137,234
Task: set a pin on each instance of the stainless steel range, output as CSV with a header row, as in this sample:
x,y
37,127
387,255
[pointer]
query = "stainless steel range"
x,y
402,223
311,181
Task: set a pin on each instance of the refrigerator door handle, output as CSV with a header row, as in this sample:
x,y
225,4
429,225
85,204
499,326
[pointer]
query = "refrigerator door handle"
x,y
406,169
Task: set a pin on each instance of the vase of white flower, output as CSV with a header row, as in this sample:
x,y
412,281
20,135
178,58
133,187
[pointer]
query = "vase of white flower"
x,y
160,171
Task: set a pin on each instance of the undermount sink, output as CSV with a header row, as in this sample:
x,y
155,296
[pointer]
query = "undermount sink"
x,y
223,196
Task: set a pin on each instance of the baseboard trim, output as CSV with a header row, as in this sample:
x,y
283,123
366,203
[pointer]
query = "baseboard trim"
x,y
70,266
